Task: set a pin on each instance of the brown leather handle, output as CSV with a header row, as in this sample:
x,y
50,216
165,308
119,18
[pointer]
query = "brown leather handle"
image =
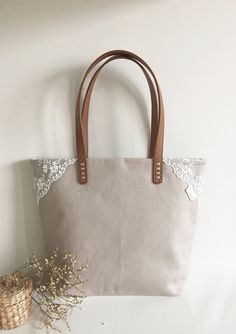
x,y
158,150
87,99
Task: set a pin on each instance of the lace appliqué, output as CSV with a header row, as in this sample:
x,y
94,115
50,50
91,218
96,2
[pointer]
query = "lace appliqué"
x,y
183,169
50,171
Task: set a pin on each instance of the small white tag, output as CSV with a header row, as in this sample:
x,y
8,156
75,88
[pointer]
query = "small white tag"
x,y
191,192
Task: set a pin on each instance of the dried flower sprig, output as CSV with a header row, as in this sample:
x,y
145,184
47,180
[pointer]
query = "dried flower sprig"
x,y
57,286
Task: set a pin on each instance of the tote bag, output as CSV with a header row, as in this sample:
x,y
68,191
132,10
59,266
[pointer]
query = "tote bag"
x,y
131,219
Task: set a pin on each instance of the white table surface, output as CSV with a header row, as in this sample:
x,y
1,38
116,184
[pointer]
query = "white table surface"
x,y
121,315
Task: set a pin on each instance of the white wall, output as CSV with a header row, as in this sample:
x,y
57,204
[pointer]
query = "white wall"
x,y
45,47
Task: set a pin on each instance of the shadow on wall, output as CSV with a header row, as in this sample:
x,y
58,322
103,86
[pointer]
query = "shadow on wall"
x,y
17,15
27,227
56,116
61,89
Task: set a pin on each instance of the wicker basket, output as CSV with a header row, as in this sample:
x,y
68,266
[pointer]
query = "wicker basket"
x,y
15,300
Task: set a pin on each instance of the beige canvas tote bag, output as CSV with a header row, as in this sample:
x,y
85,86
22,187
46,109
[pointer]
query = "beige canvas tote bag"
x,y
131,219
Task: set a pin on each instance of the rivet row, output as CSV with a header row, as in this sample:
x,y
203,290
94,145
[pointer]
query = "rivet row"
x,y
158,171
83,171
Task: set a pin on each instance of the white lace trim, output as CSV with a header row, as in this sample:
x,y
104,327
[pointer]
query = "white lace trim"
x,y
183,169
52,169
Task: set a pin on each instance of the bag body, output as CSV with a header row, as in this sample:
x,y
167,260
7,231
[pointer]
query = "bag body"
x,y
131,219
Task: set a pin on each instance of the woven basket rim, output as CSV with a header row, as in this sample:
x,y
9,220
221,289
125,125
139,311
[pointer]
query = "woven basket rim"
x,y
14,290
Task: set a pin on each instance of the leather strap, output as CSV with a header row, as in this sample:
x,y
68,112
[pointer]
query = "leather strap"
x,y
87,99
158,147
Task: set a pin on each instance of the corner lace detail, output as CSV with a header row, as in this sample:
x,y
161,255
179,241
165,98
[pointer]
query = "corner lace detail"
x,y
183,169
50,171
